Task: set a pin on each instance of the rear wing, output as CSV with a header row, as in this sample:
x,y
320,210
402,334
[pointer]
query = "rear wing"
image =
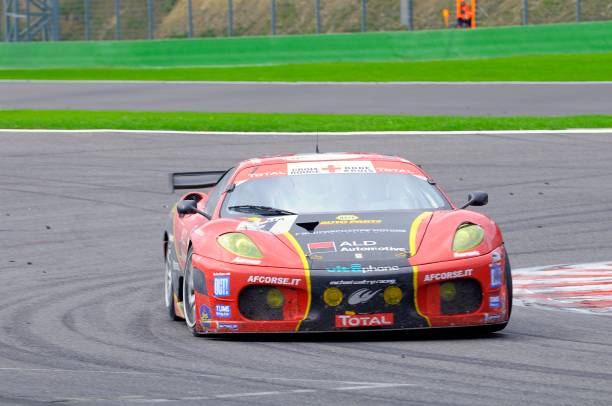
x,y
195,180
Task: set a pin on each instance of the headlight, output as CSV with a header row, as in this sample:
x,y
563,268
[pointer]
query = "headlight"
x,y
239,244
467,236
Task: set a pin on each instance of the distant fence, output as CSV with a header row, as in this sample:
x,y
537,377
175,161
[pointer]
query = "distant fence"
x,y
35,20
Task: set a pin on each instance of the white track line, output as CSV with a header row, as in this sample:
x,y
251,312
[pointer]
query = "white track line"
x,y
167,132
322,83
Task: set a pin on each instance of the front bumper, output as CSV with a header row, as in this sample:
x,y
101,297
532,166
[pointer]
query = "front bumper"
x,y
220,297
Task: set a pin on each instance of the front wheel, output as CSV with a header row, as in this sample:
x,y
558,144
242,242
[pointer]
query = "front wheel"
x,y
189,301
169,289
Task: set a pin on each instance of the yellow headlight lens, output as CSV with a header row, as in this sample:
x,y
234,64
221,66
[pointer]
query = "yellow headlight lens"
x,y
393,295
332,296
448,291
239,244
467,236
275,298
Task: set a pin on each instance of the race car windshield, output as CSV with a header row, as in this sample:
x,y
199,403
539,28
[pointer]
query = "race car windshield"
x,y
338,192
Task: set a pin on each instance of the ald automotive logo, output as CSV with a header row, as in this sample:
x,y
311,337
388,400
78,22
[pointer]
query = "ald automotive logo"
x,y
358,268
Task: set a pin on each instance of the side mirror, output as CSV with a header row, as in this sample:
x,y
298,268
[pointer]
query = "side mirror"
x,y
189,207
477,199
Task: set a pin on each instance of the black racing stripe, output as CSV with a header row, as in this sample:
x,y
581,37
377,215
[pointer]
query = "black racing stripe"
x,y
323,317
351,240
380,240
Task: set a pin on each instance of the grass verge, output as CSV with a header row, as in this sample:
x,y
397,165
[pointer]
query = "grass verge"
x,y
259,122
579,67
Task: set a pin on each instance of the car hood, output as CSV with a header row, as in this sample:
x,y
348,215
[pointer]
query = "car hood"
x,y
361,241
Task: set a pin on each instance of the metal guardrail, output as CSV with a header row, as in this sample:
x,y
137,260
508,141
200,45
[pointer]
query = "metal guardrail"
x,y
30,20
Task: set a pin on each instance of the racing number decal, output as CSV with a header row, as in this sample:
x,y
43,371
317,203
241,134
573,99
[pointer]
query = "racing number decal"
x,y
414,229
306,266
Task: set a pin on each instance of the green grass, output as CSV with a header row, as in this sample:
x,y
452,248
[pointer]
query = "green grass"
x,y
579,67
60,119
590,67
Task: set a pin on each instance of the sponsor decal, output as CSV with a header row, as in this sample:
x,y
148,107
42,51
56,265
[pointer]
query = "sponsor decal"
x,y
223,311
175,265
466,254
496,269
275,225
496,257
266,174
358,256
274,280
363,282
364,320
357,244
442,276
362,296
352,246
494,302
321,247
221,286
353,231
326,167
204,316
347,217
496,276
246,261
226,326
395,170
492,318
321,157
316,257
358,268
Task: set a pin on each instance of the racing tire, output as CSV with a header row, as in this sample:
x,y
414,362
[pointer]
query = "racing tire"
x,y
189,305
169,289
508,271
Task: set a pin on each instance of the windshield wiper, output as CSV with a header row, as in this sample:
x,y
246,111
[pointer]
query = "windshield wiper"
x,y
264,210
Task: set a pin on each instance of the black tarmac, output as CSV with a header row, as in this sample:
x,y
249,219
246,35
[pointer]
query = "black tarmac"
x,y
509,99
81,313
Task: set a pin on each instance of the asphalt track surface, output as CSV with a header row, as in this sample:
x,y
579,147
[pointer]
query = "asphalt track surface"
x,y
81,313
494,99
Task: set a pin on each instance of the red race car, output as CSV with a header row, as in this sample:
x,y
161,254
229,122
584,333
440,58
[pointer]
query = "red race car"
x,y
331,242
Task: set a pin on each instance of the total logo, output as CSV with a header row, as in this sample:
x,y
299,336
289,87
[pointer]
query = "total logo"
x,y
358,268
364,320
362,296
